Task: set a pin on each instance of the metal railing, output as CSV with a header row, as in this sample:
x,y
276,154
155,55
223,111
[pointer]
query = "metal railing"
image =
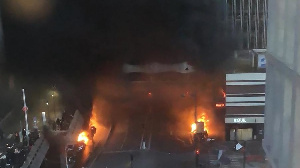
x,y
74,128
37,154
72,133
39,150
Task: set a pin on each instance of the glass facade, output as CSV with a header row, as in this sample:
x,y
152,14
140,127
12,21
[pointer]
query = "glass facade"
x,y
247,19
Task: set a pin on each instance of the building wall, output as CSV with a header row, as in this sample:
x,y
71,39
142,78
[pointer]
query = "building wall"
x,y
245,101
282,111
1,43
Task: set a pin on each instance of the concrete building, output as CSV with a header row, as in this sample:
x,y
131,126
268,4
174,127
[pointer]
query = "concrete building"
x,y
245,102
282,112
1,43
245,96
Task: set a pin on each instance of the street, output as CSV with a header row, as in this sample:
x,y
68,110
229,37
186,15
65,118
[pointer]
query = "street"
x,y
145,159
165,83
146,135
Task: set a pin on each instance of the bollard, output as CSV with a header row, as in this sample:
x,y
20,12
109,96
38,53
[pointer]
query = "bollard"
x,y
144,145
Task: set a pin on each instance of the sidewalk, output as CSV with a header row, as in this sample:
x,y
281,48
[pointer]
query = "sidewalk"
x,y
254,154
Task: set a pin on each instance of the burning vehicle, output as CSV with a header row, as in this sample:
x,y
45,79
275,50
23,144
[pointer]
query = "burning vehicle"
x,y
75,151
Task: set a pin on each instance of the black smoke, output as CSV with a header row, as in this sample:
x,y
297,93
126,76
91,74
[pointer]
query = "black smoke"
x,y
71,43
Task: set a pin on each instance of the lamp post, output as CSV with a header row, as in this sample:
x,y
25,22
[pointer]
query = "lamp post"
x,y
25,109
53,101
47,104
194,96
47,111
195,113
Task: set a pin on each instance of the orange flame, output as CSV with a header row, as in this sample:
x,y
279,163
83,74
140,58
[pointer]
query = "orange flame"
x,y
93,120
83,137
204,119
223,92
193,127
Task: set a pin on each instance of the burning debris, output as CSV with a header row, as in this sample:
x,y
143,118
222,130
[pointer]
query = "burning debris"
x,y
194,126
83,137
204,119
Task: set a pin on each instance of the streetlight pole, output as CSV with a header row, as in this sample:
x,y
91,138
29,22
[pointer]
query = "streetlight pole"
x,y
25,109
47,103
47,112
53,102
194,96
195,113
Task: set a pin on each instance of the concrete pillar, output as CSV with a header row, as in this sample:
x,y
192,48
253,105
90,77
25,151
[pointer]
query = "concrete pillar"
x,y
1,43
286,125
283,109
296,142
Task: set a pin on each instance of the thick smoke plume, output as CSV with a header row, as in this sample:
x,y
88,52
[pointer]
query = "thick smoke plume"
x,y
87,42
167,32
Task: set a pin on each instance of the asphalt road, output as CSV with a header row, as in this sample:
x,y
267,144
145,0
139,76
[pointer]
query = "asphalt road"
x,y
145,134
145,159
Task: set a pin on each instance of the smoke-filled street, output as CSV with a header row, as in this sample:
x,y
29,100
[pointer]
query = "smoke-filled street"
x,y
137,84
147,134
151,120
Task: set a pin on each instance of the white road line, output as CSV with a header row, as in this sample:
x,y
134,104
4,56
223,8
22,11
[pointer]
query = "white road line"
x,y
150,137
145,123
125,135
151,128
142,139
149,143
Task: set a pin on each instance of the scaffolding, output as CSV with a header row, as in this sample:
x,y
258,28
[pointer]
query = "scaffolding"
x,y
248,20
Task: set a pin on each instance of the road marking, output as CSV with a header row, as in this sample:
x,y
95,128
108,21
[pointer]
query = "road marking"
x,y
144,129
127,121
150,137
149,143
